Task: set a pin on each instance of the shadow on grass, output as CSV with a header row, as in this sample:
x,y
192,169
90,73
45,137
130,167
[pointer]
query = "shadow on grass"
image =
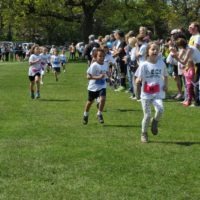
x,y
127,110
183,143
55,100
120,125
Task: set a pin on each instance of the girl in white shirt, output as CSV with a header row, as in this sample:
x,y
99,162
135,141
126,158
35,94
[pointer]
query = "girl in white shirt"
x,y
34,72
45,59
56,63
152,73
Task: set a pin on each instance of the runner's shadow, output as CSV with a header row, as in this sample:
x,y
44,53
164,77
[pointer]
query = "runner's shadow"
x,y
127,110
119,125
183,143
55,100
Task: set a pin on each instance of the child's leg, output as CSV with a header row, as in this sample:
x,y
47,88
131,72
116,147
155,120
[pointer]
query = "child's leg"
x,y
32,84
42,75
158,106
146,107
101,103
37,81
63,66
56,75
87,106
191,94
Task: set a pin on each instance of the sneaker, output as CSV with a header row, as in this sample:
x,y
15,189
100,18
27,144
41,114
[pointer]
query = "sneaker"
x,y
178,97
154,126
85,120
37,96
144,138
120,89
186,103
32,95
100,119
41,82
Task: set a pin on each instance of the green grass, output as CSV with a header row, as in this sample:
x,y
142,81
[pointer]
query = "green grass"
x,y
46,152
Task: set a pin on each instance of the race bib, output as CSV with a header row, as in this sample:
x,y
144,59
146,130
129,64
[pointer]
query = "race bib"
x,y
35,70
151,89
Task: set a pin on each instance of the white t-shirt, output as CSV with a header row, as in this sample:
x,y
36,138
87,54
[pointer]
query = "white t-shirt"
x,y
45,59
36,67
194,39
55,61
133,54
63,58
109,60
152,76
96,69
142,52
195,54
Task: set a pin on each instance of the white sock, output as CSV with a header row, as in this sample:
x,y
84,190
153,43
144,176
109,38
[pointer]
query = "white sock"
x,y
86,113
99,112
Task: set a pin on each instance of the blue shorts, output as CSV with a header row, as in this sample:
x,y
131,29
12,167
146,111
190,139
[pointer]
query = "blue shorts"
x,y
94,95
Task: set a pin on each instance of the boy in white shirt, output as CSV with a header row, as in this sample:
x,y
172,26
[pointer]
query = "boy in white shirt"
x,y
96,73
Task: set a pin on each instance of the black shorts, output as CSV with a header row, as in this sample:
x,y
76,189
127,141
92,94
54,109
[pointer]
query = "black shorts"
x,y
93,95
175,70
32,78
56,69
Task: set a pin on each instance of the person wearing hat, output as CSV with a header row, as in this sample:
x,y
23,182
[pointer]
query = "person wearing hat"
x,y
89,47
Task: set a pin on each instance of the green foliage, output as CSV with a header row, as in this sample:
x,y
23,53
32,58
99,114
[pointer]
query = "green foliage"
x,y
27,19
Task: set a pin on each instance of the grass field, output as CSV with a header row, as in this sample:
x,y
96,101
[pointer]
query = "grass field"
x,y
46,153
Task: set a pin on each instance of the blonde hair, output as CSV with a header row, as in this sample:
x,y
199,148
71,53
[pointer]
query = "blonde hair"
x,y
190,62
132,41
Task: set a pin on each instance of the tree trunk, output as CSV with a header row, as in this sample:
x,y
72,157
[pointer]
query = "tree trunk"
x,y
88,22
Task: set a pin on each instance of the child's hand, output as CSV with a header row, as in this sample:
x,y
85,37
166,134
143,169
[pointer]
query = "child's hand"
x,y
102,76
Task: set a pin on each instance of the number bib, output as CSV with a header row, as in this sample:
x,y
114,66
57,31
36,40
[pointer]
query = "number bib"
x,y
151,89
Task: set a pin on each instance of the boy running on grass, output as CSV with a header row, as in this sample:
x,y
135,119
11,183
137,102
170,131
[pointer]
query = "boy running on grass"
x,y
96,74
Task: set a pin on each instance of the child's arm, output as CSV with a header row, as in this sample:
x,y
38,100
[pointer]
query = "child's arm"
x,y
165,87
90,77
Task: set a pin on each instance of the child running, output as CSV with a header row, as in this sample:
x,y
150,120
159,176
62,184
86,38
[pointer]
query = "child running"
x,y
34,72
153,76
45,59
56,63
96,75
63,59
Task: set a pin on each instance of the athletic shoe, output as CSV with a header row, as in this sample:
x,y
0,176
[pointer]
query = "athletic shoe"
x,y
120,89
41,82
186,103
37,96
100,119
178,97
144,138
85,120
154,126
